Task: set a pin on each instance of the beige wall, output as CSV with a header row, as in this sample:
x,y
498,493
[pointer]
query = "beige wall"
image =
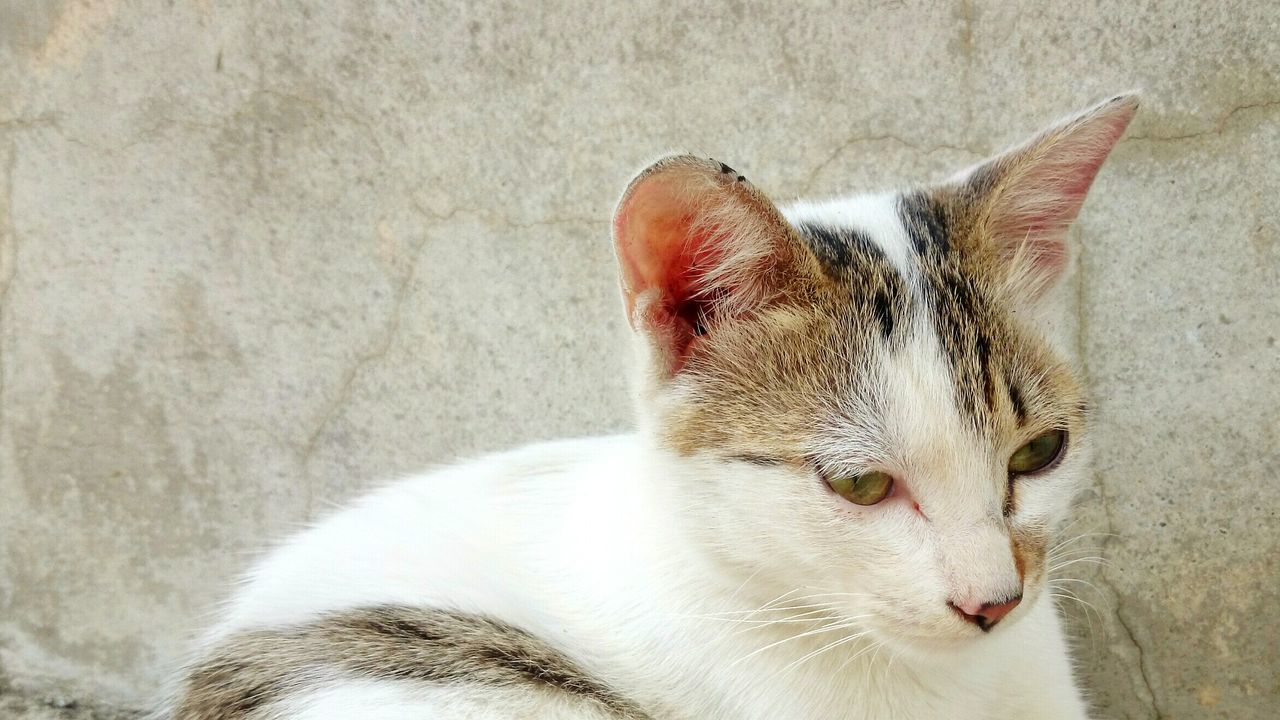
x,y
254,255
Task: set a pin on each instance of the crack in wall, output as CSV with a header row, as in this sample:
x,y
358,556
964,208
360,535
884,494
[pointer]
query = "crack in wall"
x,y
1082,351
380,349
812,177
1158,714
966,31
8,258
1150,700
967,12
18,124
1219,127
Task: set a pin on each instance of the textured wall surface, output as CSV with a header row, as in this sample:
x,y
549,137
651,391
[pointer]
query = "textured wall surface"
x,y
254,255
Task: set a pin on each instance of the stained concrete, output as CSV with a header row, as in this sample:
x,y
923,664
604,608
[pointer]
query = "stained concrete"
x,y
255,255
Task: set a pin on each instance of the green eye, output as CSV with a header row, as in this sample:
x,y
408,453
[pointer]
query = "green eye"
x,y
865,489
1038,454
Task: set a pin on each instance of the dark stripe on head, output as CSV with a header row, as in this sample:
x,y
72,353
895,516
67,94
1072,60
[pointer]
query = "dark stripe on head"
x,y
964,317
834,247
884,313
960,315
250,670
1015,399
982,348
849,257
760,460
926,223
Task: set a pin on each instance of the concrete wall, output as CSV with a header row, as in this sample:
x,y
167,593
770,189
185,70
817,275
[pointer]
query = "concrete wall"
x,y
255,254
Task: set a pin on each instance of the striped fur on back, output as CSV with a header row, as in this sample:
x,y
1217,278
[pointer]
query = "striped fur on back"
x,y
245,674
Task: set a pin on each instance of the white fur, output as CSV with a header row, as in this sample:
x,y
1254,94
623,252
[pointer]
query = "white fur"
x,y
585,543
390,700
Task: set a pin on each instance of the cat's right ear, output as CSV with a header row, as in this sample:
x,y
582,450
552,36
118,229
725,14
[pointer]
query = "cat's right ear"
x,y
697,246
1025,198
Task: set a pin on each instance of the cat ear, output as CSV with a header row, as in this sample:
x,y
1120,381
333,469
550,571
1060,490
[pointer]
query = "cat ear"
x,y
1025,198
697,246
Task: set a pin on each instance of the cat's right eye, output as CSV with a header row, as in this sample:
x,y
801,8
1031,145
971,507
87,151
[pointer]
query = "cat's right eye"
x,y
1038,454
868,488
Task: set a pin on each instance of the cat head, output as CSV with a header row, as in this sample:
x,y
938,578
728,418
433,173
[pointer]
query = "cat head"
x,y
861,391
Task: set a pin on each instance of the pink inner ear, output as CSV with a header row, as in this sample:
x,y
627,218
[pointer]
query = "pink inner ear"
x,y
653,243
672,250
657,253
1049,180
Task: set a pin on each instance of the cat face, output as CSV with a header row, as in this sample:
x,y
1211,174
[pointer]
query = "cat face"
x,y
865,400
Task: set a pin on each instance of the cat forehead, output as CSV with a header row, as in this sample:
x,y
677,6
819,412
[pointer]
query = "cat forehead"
x,y
930,298
902,346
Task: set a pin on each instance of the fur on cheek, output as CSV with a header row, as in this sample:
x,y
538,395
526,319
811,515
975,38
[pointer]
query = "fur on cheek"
x,y
1028,547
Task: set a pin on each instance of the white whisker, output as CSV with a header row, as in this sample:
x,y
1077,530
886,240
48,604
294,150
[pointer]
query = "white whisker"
x,y
829,646
844,624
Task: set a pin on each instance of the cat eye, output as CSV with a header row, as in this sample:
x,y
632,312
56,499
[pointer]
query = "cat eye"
x,y
1039,453
868,488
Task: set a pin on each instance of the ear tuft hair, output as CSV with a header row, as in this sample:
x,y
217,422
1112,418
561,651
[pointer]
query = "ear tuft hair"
x,y
1028,196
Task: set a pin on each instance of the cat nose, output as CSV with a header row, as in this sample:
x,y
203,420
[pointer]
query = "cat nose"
x,y
986,615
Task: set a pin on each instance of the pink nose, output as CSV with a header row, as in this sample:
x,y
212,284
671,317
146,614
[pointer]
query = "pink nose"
x,y
986,615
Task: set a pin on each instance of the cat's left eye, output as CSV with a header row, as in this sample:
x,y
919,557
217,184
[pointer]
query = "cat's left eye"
x,y
868,488
1038,454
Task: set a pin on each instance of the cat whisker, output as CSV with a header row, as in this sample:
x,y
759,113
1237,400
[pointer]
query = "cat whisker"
x,y
1070,551
1077,538
741,626
1074,551
1092,560
782,597
845,623
734,596
892,656
1090,612
803,602
874,646
876,655
846,594
742,631
829,646
1079,581
757,611
798,617
812,614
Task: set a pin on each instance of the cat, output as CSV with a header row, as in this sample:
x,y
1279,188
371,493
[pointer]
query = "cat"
x,y
856,440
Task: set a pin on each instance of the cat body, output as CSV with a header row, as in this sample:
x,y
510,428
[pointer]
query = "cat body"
x,y
855,443
567,541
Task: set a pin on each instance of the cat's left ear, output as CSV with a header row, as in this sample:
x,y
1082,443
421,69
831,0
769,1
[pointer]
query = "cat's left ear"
x,y
1022,201
698,246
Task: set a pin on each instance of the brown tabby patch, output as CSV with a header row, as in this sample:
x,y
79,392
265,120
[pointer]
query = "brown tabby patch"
x,y
764,385
249,671
1028,545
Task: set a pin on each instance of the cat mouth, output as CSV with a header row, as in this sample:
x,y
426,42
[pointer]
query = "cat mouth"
x,y
953,628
